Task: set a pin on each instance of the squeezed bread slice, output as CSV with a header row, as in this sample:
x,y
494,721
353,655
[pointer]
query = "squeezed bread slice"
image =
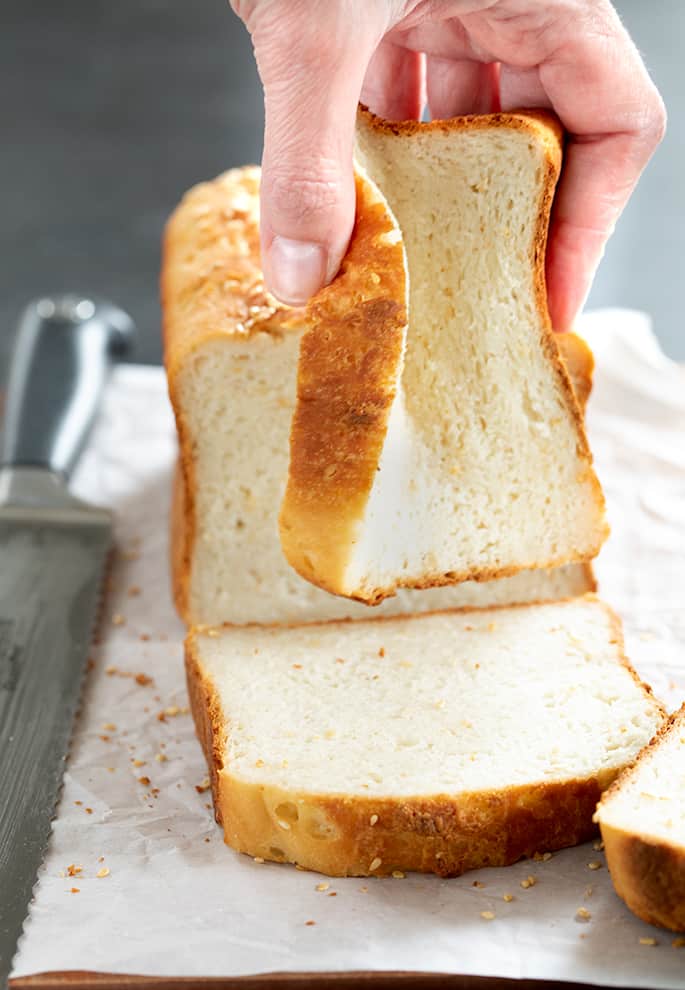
x,y
642,818
436,437
231,353
439,743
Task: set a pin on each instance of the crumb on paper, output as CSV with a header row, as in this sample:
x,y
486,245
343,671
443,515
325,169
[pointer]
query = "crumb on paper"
x,y
508,898
258,859
138,763
529,881
118,619
133,591
109,727
104,872
144,637
398,874
204,786
478,884
588,891
598,845
73,870
145,781
339,660
310,923
79,803
582,914
488,915
297,666
322,886
363,890
542,857
381,652
647,940
333,893
106,738
161,757
594,865
89,811
75,890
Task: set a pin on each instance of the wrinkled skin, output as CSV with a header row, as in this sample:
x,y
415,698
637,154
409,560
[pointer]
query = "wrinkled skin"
x,y
317,58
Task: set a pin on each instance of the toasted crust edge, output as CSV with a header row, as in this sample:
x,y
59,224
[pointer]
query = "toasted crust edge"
x,y
648,874
435,834
323,505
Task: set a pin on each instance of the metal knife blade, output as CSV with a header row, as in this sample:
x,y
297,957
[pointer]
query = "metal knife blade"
x,y
53,553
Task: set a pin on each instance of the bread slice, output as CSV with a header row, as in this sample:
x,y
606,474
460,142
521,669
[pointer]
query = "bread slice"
x,y
441,742
642,818
436,437
231,353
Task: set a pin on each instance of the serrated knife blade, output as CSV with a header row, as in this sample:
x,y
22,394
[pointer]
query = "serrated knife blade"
x,y
53,555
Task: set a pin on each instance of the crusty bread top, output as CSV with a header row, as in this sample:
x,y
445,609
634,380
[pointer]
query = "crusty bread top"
x,y
212,283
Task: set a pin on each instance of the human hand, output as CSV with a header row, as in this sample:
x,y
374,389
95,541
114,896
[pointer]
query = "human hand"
x,y
317,58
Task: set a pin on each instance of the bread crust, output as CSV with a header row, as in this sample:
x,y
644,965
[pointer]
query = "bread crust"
x,y
647,873
357,329
212,288
442,834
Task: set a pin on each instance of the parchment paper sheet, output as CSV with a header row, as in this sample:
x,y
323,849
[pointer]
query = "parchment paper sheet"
x,y
178,902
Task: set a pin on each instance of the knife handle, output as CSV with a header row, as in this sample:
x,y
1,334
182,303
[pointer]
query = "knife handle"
x,y
63,353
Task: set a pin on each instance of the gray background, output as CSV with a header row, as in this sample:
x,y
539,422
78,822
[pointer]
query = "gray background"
x,y
110,109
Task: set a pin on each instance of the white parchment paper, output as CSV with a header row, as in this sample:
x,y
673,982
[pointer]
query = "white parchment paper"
x,y
176,901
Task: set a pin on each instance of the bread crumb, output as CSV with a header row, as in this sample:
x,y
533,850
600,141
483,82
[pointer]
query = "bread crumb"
x,y
133,591
647,940
73,870
109,727
89,811
78,802
143,679
161,757
582,914
258,859
542,857
104,872
138,763
144,637
594,865
172,711
488,915
529,882
381,652
75,890
372,820
204,786
144,781
398,874
297,666
322,886
118,620
678,943
492,626
588,891
375,863
508,898
101,859
598,845
310,923
259,763
339,660
478,884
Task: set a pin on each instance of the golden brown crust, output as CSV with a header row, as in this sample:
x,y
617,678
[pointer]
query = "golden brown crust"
x,y
647,873
349,371
345,388
339,835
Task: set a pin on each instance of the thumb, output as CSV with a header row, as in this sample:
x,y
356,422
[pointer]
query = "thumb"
x,y
312,59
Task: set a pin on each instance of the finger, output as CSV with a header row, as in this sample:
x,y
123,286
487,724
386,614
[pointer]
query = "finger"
x,y
521,88
312,60
394,83
600,89
456,87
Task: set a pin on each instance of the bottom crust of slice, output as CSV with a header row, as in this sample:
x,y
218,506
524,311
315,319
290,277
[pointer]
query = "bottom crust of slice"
x,y
359,836
648,875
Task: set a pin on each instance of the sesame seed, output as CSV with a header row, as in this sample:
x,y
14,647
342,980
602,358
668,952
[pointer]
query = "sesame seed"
x,y
582,914
648,940
104,872
322,886
372,820
488,915
375,863
258,859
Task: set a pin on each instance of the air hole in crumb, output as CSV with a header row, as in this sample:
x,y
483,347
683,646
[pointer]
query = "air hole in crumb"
x,y
287,813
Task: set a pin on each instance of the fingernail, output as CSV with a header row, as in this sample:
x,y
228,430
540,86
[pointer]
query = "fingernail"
x,y
295,269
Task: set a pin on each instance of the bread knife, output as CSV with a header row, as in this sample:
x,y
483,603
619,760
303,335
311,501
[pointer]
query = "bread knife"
x,y
53,553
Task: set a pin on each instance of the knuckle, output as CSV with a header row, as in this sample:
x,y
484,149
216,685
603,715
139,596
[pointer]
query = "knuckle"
x,y
300,198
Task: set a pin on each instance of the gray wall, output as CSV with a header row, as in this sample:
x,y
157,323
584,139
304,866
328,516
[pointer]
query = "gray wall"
x,y
110,110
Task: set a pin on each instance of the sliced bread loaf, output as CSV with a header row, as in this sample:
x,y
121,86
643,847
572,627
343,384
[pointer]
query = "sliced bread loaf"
x,y
436,437
642,818
440,743
231,353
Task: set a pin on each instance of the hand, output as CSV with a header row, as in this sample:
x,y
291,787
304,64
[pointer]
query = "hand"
x,y
317,58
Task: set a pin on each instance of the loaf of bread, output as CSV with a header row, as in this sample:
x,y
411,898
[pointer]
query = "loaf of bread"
x,y
642,818
436,437
231,354
439,742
